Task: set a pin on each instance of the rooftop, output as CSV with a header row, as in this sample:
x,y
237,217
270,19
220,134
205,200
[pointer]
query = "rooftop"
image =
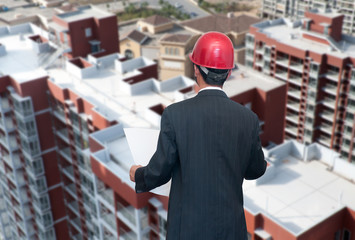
x,y
20,61
157,20
84,12
20,8
176,38
244,79
153,39
302,187
135,35
290,33
222,23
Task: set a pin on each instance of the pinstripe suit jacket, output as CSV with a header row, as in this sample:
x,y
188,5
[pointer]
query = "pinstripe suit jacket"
x,y
207,145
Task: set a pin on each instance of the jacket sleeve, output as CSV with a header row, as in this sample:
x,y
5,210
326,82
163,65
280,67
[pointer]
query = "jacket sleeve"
x,y
257,164
159,169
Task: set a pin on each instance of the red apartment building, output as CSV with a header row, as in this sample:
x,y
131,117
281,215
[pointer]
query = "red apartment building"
x,y
85,30
317,62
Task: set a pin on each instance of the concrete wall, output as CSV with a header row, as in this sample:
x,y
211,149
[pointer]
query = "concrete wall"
x,y
80,73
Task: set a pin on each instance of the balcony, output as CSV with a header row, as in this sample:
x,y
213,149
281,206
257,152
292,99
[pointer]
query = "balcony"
x,y
74,207
127,214
331,89
76,223
350,108
110,220
5,105
348,135
291,130
125,235
297,80
71,189
260,50
328,115
69,172
59,113
296,66
293,105
325,140
14,162
281,74
332,75
63,133
329,102
292,118
107,198
345,147
294,93
327,128
66,152
282,61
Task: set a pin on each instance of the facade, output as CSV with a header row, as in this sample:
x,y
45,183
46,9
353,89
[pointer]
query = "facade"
x,y
296,9
317,63
85,30
305,194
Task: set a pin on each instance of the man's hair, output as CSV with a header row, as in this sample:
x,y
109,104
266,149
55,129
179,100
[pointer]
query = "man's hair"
x,y
214,76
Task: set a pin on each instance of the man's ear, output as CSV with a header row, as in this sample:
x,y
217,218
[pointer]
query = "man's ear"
x,y
196,71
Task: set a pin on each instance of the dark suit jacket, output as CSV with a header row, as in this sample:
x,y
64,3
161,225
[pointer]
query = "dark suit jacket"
x,y
207,145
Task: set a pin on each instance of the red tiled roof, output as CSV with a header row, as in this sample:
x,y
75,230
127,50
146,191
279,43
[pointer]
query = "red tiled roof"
x,y
157,20
222,23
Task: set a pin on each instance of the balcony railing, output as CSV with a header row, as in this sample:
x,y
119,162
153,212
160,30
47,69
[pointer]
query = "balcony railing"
x,y
332,89
69,171
71,189
110,220
294,93
282,61
296,66
326,128
332,75
293,105
74,206
296,79
281,74
128,212
328,115
292,130
292,117
325,140
107,195
124,235
76,223
329,102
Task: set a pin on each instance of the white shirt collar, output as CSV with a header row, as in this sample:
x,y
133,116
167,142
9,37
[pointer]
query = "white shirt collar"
x,y
211,88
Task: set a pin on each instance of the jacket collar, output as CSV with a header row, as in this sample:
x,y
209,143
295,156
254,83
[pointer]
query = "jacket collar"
x,y
212,92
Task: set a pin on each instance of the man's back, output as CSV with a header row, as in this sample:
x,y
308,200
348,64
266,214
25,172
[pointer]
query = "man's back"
x,y
215,140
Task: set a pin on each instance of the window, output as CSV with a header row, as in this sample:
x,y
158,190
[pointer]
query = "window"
x,y
74,118
27,128
22,107
128,54
39,185
31,147
346,234
88,32
176,51
35,166
314,69
267,52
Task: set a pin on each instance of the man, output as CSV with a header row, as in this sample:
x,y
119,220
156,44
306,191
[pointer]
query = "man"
x,y
207,145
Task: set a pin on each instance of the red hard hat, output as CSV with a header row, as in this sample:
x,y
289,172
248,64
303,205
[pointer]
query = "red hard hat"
x,y
213,50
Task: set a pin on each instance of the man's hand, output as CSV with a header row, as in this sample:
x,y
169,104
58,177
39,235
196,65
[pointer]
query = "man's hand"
x,y
132,172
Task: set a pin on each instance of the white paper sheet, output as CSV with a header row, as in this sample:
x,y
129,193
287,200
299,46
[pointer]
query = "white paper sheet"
x,y
143,144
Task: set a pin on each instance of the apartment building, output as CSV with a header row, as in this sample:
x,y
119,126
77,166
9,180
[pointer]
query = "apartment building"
x,y
305,194
296,9
84,30
317,63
